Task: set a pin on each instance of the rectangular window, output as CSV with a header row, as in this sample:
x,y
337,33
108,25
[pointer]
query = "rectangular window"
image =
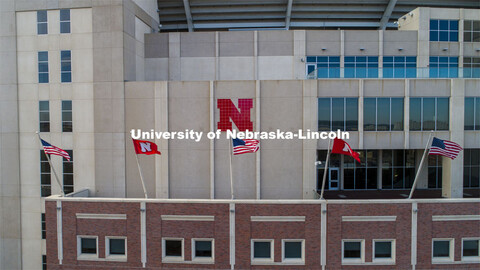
x,y
353,251
64,21
384,251
44,115
67,123
399,66
443,30
442,250
116,248
429,114
471,67
471,31
471,168
44,227
361,175
43,67
398,169
383,114
45,174
68,173
262,250
443,67
203,250
293,251
66,66
472,113
338,113
434,171
361,66
470,249
325,66
44,262
42,24
172,249
87,247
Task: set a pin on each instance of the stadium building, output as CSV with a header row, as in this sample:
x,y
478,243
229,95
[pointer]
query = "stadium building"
x,y
85,73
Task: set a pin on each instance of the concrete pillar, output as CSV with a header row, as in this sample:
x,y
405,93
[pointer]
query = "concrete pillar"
x,y
310,112
452,174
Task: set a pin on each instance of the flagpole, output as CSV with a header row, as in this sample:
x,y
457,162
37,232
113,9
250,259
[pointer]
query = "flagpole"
x,y
51,166
425,153
325,171
141,177
231,174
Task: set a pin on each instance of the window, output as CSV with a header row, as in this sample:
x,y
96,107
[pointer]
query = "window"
x,y
66,66
443,67
383,114
87,247
333,162
116,248
172,249
398,169
471,31
67,124
42,25
434,171
470,249
338,113
262,251
44,227
44,115
471,168
384,251
443,30
429,114
44,262
399,66
361,175
203,250
68,173
471,67
353,251
442,250
472,113
64,21
361,66
293,251
42,67
326,66
45,174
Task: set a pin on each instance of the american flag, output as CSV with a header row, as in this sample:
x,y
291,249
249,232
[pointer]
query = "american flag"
x,y
53,150
445,148
245,146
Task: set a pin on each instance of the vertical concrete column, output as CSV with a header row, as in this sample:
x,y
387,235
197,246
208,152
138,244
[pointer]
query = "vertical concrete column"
x,y
299,51
406,114
423,47
212,142
414,235
310,115
452,173
380,53
217,59
342,53
174,64
161,124
258,153
255,54
360,113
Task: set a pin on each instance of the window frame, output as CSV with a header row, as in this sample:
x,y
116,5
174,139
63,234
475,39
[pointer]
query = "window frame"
x,y
395,68
65,161
42,22
471,259
422,113
390,124
64,122
344,113
262,260
44,226
361,260
169,259
61,68
43,62
448,30
471,31
49,173
86,256
65,21
206,260
392,259
369,71
44,262
115,257
40,111
297,261
452,70
451,251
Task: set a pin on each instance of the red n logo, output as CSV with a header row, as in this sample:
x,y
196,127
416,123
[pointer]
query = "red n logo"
x,y
229,111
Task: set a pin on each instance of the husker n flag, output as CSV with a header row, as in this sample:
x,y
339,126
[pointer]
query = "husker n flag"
x,y
341,147
145,147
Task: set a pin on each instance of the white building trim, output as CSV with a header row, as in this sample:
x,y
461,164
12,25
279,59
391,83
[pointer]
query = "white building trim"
x,y
455,217
368,218
188,218
100,216
277,218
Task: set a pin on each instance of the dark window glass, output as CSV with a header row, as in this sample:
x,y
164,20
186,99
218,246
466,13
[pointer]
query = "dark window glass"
x,y
369,114
261,250
43,67
415,114
397,114
386,178
383,114
442,114
45,182
67,124
44,262
324,114
477,113
441,248
338,110
117,246
383,249
469,113
352,250
44,116
293,250
42,25
44,227
66,66
470,248
349,178
203,249
351,118
88,245
173,248
428,113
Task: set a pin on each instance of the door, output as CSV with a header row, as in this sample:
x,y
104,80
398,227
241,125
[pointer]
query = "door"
x,y
333,178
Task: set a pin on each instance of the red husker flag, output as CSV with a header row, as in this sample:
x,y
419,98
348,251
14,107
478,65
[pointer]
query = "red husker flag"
x,y
145,147
341,147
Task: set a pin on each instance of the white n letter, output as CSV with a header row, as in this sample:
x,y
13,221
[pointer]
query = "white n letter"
x,y
146,147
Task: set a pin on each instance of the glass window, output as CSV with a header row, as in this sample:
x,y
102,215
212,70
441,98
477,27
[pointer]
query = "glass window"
x,y
67,122
353,251
44,262
66,66
471,168
173,248
361,66
293,250
383,114
262,250
44,227
383,250
338,113
398,169
65,21
471,67
471,31
361,175
472,113
42,24
68,186
45,181
203,249
429,114
443,30
443,67
88,245
44,115
399,66
325,66
434,171
43,67
116,246
442,249
470,248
